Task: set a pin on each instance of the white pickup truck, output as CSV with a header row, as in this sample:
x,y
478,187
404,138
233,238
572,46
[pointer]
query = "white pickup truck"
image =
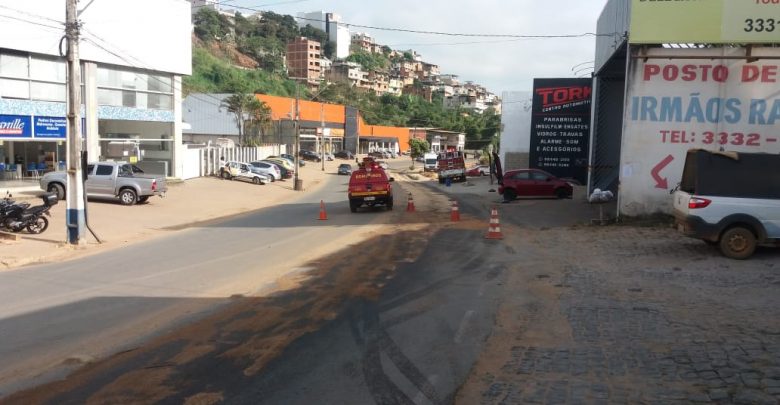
x,y
112,180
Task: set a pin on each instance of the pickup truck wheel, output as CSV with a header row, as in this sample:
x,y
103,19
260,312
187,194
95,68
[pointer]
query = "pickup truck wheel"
x,y
128,197
57,189
561,193
143,199
738,243
353,207
390,204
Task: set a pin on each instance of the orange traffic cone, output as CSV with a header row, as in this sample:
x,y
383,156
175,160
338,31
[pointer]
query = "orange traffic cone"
x,y
454,212
323,214
494,231
410,204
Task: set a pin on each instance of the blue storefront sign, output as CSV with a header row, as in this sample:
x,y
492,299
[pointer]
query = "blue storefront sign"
x,y
15,126
51,127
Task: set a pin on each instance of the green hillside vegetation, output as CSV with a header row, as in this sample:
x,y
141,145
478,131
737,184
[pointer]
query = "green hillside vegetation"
x,y
246,56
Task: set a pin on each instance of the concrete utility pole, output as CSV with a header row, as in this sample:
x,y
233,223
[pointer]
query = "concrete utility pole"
x,y
298,186
322,135
75,218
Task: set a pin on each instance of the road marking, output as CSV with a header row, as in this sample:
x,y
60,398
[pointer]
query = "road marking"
x,y
463,325
420,398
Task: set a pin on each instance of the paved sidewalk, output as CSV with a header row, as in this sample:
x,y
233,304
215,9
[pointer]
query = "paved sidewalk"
x,y
187,202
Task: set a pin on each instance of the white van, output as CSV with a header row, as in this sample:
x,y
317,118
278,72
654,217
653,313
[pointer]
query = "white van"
x,y
429,162
730,199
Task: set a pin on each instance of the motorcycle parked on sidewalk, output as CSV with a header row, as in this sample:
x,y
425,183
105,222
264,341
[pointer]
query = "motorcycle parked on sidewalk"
x,y
18,216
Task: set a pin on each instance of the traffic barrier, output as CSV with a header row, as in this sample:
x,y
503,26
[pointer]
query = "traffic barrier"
x,y
323,214
494,230
410,204
454,212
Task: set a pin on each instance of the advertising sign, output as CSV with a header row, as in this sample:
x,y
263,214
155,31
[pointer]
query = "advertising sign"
x,y
560,127
15,126
51,127
710,21
677,104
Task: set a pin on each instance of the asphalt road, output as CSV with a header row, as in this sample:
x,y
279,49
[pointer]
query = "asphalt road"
x,y
415,344
56,317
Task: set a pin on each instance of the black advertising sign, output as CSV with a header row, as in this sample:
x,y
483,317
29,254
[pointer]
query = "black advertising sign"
x,y
560,127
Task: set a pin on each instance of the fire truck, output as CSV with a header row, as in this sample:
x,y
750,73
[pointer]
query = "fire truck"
x,y
370,186
451,165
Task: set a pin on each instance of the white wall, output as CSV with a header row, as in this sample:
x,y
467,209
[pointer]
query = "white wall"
x,y
712,114
516,122
148,34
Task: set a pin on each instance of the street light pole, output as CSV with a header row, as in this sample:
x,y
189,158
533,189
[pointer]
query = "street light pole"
x,y
322,134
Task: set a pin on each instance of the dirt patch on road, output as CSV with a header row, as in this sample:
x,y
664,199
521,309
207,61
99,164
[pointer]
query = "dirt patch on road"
x,y
199,362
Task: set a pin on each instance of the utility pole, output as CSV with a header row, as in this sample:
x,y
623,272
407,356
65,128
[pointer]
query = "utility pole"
x,y
298,186
75,205
322,134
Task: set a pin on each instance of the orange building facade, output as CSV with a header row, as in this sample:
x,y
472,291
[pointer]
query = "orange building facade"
x,y
336,126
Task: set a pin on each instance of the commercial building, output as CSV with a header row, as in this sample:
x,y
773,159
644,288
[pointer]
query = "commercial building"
x,y
131,91
671,76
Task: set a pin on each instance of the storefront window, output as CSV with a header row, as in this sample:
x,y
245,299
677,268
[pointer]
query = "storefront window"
x,y
47,70
47,91
134,89
14,66
31,77
10,88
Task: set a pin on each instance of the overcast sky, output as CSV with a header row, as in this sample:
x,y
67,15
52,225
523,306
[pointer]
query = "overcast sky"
x,y
499,64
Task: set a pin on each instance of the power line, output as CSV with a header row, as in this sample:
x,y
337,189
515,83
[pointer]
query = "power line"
x,y
441,33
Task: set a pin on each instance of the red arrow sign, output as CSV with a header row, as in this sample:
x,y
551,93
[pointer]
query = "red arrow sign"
x,y
660,182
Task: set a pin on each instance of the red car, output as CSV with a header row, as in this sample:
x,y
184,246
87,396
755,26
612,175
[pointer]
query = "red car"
x,y
533,183
478,171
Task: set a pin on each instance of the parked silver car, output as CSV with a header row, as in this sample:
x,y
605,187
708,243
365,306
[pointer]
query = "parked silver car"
x,y
268,169
731,200
243,171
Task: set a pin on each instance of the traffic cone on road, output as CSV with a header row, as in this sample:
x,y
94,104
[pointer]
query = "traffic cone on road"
x,y
494,231
323,214
454,212
410,204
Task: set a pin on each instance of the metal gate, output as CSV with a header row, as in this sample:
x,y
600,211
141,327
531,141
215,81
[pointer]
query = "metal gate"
x,y
607,133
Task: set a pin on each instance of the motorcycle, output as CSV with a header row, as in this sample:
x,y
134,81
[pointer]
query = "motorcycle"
x,y
18,216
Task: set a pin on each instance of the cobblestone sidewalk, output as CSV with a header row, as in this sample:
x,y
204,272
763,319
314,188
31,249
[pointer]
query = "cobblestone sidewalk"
x,y
633,315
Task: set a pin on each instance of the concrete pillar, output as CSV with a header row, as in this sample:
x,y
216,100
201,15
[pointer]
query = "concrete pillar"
x,y
90,112
178,146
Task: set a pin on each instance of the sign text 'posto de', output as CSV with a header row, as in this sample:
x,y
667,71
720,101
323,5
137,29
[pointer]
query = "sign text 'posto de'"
x,y
694,108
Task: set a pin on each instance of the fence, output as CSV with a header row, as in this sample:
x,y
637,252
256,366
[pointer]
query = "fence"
x,y
211,157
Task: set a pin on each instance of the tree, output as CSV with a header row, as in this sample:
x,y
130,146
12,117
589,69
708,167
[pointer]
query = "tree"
x,y
259,121
210,25
419,147
248,110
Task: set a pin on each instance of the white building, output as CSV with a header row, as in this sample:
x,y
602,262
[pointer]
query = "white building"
x,y
338,33
131,90
516,129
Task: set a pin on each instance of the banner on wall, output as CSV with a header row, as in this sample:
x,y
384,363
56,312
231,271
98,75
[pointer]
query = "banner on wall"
x,y
560,127
709,22
15,126
51,127
676,104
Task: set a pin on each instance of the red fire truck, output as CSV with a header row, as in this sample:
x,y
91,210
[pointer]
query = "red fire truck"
x,y
451,165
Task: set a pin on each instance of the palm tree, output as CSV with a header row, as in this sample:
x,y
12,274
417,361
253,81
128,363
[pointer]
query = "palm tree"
x,y
237,104
259,121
